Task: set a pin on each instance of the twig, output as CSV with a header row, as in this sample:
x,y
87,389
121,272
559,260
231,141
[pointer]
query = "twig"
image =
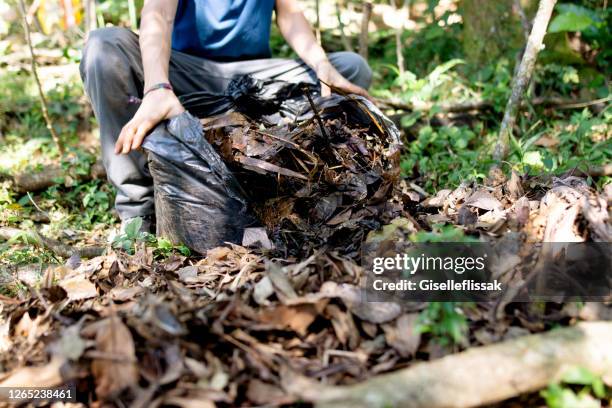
x,y
316,113
523,77
564,104
318,21
43,100
398,39
36,205
363,36
450,108
482,105
523,17
345,41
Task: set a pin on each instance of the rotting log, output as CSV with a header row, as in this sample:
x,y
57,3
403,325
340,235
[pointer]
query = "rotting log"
x,y
49,176
478,376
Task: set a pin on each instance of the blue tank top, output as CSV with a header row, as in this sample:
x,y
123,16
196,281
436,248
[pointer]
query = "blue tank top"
x,y
223,30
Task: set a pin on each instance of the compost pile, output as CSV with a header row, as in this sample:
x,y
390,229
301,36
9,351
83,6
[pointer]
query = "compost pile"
x,y
293,176
237,327
321,184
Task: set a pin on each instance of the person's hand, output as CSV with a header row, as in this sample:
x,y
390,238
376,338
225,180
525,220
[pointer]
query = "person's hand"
x,y
156,106
330,77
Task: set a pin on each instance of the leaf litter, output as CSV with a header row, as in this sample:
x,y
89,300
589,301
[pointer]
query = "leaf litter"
x,y
229,327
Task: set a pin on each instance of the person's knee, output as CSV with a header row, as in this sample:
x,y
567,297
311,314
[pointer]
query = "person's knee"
x,y
353,67
102,51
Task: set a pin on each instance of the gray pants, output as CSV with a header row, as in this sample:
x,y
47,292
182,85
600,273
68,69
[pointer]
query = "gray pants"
x,y
112,71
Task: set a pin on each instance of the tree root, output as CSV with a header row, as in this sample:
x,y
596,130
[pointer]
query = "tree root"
x,y
481,375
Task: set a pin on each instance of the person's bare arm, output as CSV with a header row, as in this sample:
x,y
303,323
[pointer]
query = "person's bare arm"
x,y
298,33
156,24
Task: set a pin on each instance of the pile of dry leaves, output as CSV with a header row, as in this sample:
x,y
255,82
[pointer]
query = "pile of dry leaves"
x,y
230,328
321,184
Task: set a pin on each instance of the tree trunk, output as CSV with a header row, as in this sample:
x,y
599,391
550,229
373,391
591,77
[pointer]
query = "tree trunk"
x,y
491,29
523,76
363,36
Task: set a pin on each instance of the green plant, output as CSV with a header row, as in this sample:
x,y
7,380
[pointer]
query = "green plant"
x,y
164,248
445,157
560,395
131,236
442,233
445,321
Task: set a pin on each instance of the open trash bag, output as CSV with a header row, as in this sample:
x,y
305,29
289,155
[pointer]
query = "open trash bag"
x,y
261,156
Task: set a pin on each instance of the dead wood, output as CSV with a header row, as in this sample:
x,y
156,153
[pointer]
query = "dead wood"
x,y
51,175
523,76
475,377
36,238
460,107
363,35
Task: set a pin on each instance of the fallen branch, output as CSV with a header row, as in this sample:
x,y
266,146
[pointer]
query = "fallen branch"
x,y
51,175
443,107
59,249
484,105
504,370
600,171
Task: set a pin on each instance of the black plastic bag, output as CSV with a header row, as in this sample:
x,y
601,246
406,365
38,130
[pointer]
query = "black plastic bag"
x,y
267,101
198,201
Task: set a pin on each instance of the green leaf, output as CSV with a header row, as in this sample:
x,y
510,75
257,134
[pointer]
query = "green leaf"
x,y
579,375
133,227
570,22
409,120
533,159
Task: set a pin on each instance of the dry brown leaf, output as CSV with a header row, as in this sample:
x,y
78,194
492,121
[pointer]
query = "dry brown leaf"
x,y
30,329
484,200
262,393
78,287
120,294
116,370
45,376
344,326
282,286
403,335
374,312
546,141
297,317
256,237
5,338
